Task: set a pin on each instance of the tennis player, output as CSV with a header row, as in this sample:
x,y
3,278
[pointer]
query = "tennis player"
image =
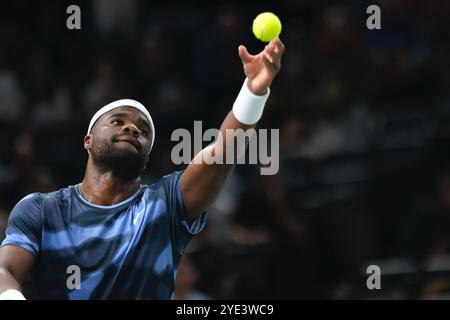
x,y
110,237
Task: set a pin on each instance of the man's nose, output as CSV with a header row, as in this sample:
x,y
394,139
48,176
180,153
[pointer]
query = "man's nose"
x,y
131,128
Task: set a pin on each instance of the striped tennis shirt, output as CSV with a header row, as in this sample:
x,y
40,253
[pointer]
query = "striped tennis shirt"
x,y
130,250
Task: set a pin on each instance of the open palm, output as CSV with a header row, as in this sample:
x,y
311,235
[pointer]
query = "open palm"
x,y
262,68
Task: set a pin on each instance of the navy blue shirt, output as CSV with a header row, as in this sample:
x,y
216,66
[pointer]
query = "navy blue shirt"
x,y
130,250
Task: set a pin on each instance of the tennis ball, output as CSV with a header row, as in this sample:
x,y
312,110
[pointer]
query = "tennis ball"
x,y
266,26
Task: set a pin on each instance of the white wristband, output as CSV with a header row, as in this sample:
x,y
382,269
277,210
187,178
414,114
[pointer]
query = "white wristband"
x,y
248,107
12,294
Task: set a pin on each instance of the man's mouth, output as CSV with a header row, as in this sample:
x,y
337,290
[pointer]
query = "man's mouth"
x,y
131,141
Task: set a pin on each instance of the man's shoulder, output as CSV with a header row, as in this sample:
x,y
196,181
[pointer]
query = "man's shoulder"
x,y
163,179
159,184
36,198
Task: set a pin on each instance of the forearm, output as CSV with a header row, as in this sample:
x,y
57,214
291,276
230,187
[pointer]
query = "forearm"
x,y
205,176
211,167
15,263
237,127
233,134
7,281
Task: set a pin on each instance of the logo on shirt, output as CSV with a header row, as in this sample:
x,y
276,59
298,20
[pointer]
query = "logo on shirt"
x,y
138,215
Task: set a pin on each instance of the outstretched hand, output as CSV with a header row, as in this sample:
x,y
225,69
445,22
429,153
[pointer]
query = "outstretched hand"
x,y
262,68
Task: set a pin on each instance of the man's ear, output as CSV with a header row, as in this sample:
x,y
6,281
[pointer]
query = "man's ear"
x,y
87,142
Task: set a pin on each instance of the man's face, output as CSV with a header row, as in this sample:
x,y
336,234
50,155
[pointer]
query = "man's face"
x,y
120,140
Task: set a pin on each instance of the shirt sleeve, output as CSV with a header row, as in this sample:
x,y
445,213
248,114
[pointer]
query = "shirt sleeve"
x,y
182,232
25,224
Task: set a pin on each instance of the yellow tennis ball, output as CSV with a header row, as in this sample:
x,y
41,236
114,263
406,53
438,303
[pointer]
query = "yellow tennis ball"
x,y
266,26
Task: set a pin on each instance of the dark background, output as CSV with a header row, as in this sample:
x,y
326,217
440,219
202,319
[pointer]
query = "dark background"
x,y
363,117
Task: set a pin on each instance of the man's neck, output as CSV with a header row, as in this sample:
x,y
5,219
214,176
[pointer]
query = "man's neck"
x,y
105,188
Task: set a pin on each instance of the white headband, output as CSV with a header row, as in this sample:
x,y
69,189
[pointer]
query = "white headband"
x,y
124,103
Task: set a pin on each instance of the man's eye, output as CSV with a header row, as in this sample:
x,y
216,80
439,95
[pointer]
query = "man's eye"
x,y
144,132
118,122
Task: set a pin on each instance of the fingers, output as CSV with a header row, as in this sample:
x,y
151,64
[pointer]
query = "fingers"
x,y
272,56
244,55
266,59
278,44
273,52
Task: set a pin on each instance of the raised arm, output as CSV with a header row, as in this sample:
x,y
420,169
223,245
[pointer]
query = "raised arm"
x,y
202,181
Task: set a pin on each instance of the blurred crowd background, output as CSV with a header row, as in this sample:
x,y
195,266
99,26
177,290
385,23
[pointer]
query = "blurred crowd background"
x,y
364,119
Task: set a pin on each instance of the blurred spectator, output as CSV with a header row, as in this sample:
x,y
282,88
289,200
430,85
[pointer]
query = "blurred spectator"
x,y
115,17
187,276
12,106
340,127
426,231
